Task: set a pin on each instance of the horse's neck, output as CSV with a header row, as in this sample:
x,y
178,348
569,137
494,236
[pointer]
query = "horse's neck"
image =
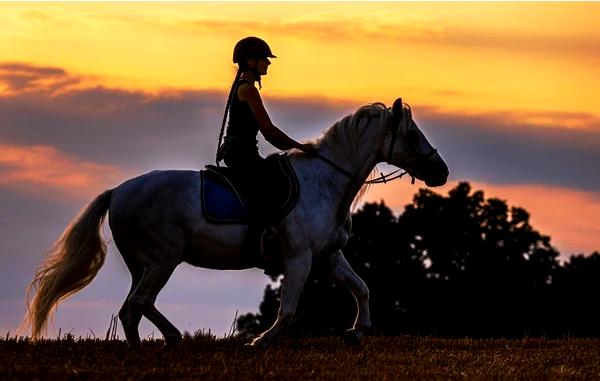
x,y
358,157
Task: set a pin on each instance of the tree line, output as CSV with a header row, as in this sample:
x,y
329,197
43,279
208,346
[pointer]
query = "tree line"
x,y
456,265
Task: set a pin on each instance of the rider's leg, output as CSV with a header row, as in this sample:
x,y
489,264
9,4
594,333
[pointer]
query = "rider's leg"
x,y
249,169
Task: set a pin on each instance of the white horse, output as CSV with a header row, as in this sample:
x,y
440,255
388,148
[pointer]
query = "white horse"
x,y
157,223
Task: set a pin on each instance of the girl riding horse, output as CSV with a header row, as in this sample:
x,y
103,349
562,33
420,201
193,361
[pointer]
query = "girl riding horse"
x,y
248,116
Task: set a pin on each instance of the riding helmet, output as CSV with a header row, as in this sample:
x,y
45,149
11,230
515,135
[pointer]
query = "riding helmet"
x,y
251,47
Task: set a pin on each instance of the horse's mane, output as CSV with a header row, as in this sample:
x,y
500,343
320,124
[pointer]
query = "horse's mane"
x,y
349,129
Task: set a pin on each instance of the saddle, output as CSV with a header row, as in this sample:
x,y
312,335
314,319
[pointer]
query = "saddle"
x,y
222,203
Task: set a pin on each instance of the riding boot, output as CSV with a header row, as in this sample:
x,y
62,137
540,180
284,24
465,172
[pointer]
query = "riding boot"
x,y
251,248
271,252
251,251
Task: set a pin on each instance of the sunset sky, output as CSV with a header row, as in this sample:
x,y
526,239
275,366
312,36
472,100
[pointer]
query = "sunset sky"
x,y
92,94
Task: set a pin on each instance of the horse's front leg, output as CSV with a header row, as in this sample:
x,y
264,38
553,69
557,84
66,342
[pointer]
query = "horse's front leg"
x,y
341,272
296,272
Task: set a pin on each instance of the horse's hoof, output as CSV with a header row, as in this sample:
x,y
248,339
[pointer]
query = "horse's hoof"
x,y
133,342
353,337
172,341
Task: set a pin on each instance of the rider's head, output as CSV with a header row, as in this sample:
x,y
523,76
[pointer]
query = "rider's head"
x,y
253,53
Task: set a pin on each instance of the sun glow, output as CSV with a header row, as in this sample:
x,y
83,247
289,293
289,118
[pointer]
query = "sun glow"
x,y
459,56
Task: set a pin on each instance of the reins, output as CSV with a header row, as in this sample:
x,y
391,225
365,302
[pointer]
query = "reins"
x,y
384,178
334,165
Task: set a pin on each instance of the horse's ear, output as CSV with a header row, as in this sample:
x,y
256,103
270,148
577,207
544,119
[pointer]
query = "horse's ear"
x,y
397,109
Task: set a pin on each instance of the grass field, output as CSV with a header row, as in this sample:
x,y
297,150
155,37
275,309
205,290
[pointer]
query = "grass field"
x,y
380,358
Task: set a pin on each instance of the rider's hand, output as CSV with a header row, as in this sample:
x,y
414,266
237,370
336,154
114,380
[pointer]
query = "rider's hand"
x,y
309,149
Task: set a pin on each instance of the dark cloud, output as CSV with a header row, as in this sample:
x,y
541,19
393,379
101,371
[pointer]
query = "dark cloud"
x,y
308,118
498,148
179,129
138,129
116,127
16,68
20,78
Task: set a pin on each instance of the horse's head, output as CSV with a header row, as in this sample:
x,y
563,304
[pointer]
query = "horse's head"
x,y
410,150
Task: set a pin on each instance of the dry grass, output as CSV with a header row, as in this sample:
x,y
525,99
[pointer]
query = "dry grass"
x,y
380,358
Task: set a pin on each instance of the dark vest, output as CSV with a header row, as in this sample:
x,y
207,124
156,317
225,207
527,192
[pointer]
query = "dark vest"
x,y
242,125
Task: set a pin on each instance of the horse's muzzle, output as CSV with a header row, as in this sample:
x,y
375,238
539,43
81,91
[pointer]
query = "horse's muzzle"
x,y
436,182
437,172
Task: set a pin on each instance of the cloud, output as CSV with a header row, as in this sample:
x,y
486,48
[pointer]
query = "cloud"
x,y
43,169
517,147
139,131
396,25
19,78
549,44
114,126
167,129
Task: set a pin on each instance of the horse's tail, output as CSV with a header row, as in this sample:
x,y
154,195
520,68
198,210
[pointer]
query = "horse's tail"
x,y
71,265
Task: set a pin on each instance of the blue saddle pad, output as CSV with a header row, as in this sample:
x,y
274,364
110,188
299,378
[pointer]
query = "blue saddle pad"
x,y
220,201
222,204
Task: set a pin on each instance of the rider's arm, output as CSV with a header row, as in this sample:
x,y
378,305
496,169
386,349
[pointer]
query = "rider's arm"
x,y
272,134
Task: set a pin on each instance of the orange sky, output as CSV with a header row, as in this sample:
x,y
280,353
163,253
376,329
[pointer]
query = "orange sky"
x,y
464,56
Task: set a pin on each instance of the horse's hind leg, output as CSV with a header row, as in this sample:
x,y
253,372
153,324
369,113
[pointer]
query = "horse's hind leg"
x,y
154,278
130,317
341,272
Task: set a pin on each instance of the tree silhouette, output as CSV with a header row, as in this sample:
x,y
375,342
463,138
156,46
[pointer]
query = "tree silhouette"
x,y
576,296
449,265
486,263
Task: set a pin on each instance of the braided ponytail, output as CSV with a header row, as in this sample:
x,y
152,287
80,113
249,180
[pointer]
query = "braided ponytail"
x,y
229,98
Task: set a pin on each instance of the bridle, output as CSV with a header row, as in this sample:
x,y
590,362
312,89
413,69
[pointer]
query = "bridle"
x,y
384,178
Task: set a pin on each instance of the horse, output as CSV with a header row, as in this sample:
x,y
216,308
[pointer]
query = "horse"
x,y
157,223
